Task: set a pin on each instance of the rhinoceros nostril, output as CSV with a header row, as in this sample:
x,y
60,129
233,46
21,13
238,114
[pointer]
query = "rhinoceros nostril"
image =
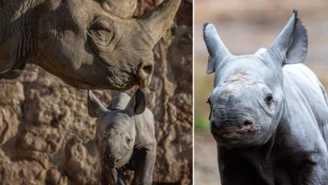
x,y
116,161
248,122
214,126
148,69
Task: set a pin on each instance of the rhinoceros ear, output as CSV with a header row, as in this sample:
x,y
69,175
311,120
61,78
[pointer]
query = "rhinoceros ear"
x,y
137,103
215,47
159,19
95,108
292,42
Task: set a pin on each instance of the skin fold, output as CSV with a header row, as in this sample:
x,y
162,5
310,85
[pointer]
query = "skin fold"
x,y
269,114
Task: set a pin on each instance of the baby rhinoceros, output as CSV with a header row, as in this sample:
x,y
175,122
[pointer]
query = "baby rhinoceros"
x,y
125,138
269,115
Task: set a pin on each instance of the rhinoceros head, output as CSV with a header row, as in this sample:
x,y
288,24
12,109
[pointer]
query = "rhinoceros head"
x,y
98,44
116,132
246,103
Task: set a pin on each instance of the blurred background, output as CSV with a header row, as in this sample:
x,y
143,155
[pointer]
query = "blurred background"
x,y
244,27
47,136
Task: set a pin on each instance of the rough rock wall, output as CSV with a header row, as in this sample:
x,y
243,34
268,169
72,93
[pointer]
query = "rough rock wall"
x,y
47,137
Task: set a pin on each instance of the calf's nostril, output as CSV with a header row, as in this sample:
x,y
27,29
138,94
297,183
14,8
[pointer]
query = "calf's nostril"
x,y
248,122
214,126
148,69
116,161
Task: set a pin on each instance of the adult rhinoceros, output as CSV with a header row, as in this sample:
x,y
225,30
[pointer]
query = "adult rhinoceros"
x,y
87,43
269,119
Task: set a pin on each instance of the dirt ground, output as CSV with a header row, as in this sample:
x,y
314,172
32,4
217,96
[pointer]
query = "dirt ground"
x,y
206,168
244,27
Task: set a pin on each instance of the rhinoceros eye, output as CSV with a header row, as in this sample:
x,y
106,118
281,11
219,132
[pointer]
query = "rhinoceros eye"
x,y
128,140
269,99
102,30
102,33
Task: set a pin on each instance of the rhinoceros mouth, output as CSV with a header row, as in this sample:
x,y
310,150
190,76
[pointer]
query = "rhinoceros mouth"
x,y
236,133
109,162
121,79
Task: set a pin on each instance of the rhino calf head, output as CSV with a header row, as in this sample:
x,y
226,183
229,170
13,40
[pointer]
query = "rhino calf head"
x,y
248,97
87,43
116,129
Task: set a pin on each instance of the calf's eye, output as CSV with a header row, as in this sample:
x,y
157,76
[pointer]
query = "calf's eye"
x,y
269,99
128,140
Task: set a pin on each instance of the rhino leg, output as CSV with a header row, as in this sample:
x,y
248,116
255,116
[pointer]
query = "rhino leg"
x,y
112,176
313,170
145,162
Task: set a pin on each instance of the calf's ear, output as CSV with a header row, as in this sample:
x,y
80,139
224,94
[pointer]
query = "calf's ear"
x,y
215,47
137,104
95,108
291,45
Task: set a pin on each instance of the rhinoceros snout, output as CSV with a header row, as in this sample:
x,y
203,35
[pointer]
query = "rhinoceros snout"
x,y
233,127
145,73
234,121
112,161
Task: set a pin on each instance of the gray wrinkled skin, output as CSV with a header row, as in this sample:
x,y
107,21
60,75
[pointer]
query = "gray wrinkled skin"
x,y
269,119
125,138
87,43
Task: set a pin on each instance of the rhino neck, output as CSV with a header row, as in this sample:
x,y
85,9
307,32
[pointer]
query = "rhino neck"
x,y
119,102
18,21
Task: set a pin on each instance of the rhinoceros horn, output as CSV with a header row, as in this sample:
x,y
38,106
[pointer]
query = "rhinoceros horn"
x,y
215,47
137,103
291,44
